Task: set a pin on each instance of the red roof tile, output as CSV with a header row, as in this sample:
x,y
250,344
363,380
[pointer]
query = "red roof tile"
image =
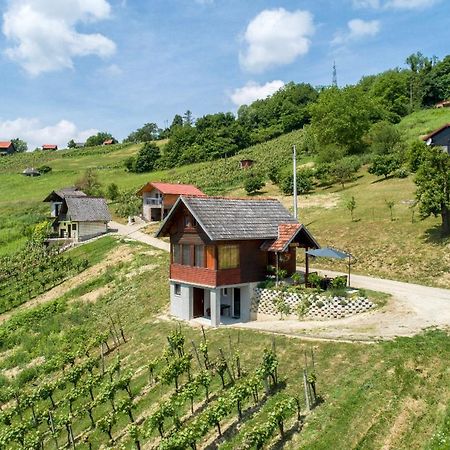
x,y
5,144
108,142
176,189
49,147
286,232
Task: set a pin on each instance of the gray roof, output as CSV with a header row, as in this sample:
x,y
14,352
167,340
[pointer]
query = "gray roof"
x,y
87,209
235,219
70,191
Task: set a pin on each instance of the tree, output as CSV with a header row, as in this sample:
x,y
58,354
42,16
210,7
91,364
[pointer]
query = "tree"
x,y
19,145
112,191
383,138
98,139
416,153
149,132
188,119
71,144
304,182
177,121
343,117
128,204
433,186
344,170
384,165
146,158
351,206
89,183
253,182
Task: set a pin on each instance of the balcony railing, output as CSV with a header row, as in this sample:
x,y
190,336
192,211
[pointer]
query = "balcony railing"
x,y
152,201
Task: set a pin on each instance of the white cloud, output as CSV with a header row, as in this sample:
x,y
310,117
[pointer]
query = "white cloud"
x,y
253,91
276,37
394,4
44,36
357,29
35,134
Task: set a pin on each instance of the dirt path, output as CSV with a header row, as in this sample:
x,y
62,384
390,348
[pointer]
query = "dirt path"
x,y
133,232
411,309
119,254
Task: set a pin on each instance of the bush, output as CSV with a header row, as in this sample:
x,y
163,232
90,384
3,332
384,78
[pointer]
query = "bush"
x,y
339,283
402,172
44,169
304,182
266,284
385,165
112,191
345,169
314,280
253,182
146,158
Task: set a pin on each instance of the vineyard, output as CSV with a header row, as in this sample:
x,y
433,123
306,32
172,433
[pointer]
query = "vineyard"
x,y
32,271
199,390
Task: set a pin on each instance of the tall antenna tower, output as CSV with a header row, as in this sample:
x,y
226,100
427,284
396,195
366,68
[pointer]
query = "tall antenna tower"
x,y
334,83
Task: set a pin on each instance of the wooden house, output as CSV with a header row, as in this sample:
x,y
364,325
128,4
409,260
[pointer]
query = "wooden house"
x,y
6,148
158,198
439,137
110,141
49,147
222,247
78,216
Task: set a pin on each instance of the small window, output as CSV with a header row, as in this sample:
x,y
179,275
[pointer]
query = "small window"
x,y
228,256
193,222
187,221
225,292
186,255
176,254
74,226
199,257
177,289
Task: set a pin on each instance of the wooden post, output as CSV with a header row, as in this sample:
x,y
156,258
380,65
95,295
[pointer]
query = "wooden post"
x,y
305,384
349,262
306,266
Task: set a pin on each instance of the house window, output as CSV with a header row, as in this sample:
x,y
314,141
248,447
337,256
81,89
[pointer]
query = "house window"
x,y
74,226
176,253
186,255
193,222
228,256
187,221
177,289
199,256
225,292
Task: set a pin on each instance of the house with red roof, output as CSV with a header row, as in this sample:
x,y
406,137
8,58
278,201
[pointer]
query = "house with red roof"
x,y
6,148
158,198
110,141
49,147
221,248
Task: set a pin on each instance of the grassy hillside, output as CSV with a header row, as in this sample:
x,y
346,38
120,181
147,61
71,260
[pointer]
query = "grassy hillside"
x,y
423,122
391,395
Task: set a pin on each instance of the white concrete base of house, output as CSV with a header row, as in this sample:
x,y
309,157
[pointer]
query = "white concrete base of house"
x,y
213,306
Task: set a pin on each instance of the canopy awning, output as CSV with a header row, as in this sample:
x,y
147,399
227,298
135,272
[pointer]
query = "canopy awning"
x,y
329,252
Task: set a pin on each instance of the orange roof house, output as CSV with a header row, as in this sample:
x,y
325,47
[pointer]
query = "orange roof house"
x,y
49,147
6,148
158,198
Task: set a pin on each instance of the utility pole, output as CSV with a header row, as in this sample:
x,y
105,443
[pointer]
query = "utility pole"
x,y
294,156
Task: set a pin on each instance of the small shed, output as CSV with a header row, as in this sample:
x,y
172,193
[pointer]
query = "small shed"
x,y
49,147
246,163
31,172
6,148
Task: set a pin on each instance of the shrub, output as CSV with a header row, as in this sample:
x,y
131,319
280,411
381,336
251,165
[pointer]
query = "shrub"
x,y
302,308
112,191
402,172
339,283
384,165
44,169
314,280
304,182
253,182
267,284
146,158
344,170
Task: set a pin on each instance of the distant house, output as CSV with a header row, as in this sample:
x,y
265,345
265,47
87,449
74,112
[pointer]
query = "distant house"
x,y
78,216
246,163
79,144
158,198
56,198
443,104
110,141
49,147
31,172
6,148
221,248
439,137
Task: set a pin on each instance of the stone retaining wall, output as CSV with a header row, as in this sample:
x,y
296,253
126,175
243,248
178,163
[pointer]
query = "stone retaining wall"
x,y
320,306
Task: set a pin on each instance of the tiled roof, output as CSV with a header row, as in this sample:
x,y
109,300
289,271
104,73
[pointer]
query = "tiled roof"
x,y
87,209
5,144
433,133
62,193
286,232
49,146
236,219
172,188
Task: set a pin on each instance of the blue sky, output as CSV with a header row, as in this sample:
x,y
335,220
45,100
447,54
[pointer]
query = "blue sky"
x,y
74,66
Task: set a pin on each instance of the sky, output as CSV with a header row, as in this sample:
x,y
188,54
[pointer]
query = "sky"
x,y
72,67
